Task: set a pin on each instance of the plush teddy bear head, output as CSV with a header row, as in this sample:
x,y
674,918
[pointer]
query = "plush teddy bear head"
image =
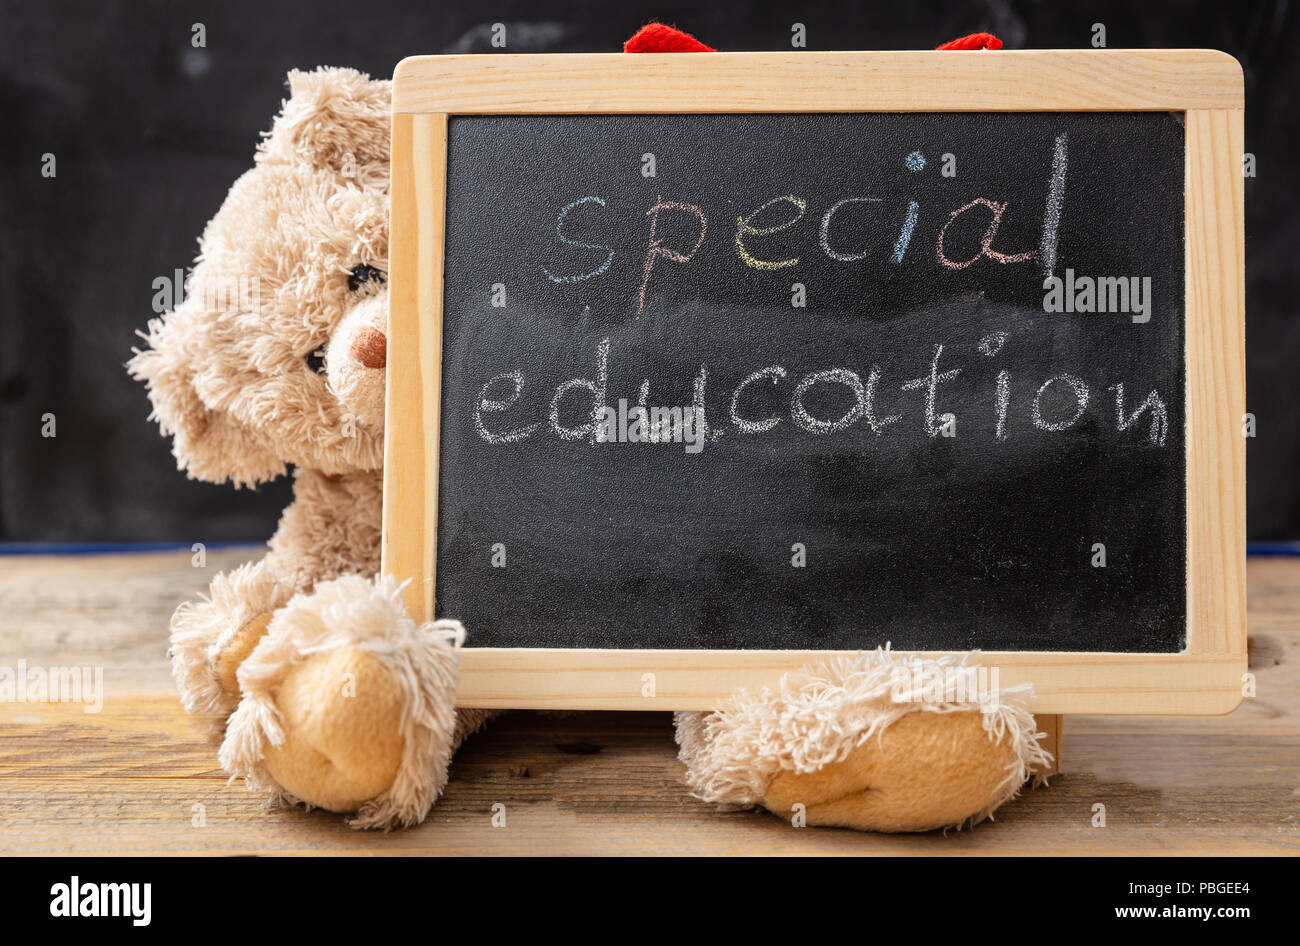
x,y
277,354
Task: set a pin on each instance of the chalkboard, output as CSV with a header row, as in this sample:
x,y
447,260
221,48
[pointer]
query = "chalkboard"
x,y
800,382
831,519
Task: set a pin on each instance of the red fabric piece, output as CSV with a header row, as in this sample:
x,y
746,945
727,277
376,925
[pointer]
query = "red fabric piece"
x,y
658,38
973,41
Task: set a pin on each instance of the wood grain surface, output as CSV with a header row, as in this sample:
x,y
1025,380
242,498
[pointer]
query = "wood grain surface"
x,y
128,778
904,80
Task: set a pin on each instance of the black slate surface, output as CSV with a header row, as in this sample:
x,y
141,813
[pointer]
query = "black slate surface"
x,y
984,539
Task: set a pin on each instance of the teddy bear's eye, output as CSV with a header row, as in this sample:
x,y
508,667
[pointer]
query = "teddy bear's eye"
x,y
362,274
316,360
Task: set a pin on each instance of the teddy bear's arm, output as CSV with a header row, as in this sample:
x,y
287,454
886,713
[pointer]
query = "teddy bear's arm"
x,y
331,529
347,703
211,637
324,533
326,690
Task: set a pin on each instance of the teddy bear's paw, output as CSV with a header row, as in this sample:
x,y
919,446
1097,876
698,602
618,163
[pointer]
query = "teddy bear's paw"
x,y
348,705
340,715
924,771
879,742
212,636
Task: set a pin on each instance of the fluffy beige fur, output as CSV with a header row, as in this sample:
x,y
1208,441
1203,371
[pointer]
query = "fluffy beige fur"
x,y
320,687
370,732
835,740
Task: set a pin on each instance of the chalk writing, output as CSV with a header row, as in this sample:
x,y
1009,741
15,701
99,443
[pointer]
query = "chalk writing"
x,y
787,211
579,407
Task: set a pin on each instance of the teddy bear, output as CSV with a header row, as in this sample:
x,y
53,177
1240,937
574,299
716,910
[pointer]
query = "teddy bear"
x,y
305,665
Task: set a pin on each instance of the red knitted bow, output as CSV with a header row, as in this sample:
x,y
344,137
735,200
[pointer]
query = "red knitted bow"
x,y
658,38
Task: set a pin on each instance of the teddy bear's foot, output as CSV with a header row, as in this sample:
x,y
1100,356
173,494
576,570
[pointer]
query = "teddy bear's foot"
x,y
340,746
925,771
211,637
348,705
864,744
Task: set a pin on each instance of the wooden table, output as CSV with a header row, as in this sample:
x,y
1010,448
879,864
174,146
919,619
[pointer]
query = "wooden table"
x,y
134,777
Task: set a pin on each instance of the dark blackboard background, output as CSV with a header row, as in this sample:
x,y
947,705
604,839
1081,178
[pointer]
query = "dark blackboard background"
x,y
149,133
990,540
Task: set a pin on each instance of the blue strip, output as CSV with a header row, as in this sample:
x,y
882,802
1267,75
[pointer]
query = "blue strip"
x,y
1273,548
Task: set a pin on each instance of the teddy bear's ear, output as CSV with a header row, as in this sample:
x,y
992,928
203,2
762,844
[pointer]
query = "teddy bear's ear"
x,y
335,119
208,444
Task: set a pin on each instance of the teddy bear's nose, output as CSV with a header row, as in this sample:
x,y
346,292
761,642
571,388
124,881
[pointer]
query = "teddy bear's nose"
x,y
369,348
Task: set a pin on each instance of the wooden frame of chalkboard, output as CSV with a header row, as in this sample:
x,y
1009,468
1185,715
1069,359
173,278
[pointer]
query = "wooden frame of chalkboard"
x,y
1206,87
